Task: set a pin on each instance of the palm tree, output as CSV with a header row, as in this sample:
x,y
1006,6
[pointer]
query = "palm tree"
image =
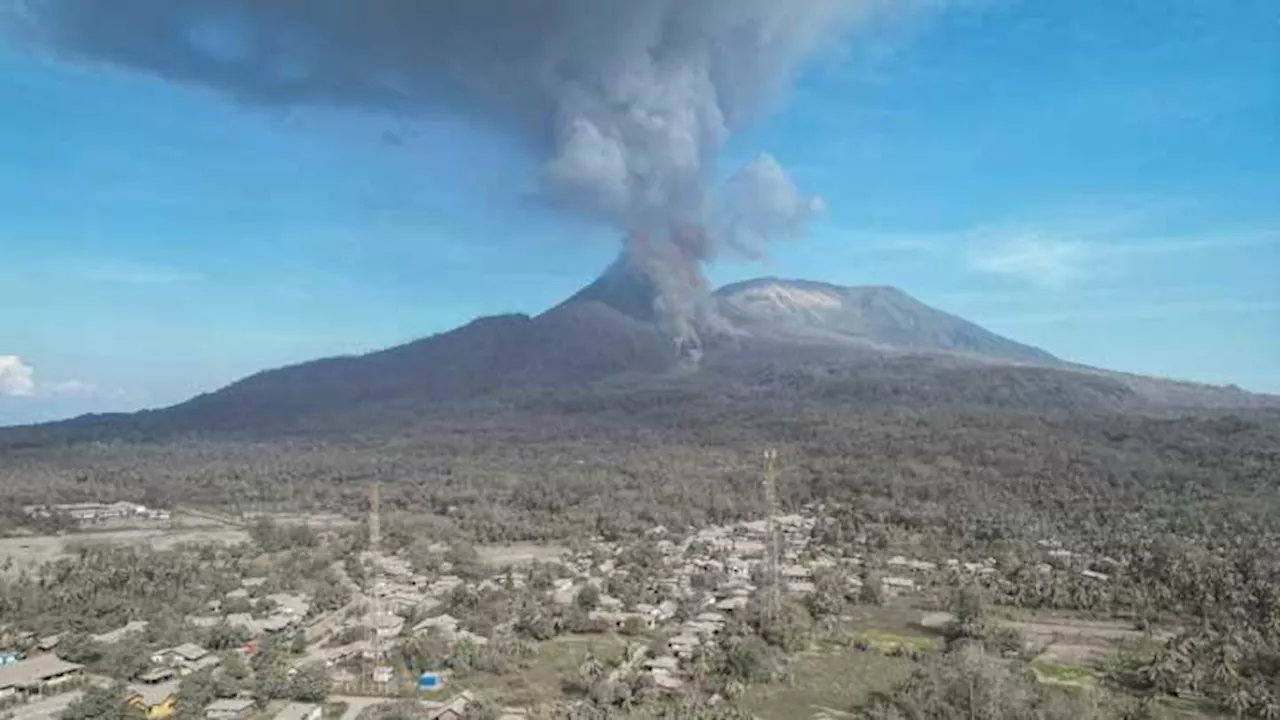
x,y
1266,705
1239,701
591,669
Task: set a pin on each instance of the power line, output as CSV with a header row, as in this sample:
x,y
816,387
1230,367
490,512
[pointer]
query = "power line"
x,y
771,529
380,674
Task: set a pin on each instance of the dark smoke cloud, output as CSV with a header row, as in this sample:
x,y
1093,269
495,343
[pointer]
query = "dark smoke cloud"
x,y
627,101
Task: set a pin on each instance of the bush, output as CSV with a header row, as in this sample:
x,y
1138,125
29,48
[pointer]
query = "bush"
x,y
588,598
750,661
969,683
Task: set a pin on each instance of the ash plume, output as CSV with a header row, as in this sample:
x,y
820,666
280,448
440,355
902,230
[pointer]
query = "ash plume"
x,y
628,102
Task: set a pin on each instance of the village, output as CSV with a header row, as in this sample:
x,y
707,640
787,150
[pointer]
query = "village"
x,y
666,595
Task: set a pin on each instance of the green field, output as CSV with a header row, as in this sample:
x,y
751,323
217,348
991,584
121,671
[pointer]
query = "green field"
x,y
883,641
825,681
540,679
1049,672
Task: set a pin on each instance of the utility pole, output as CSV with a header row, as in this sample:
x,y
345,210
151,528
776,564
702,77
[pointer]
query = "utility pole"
x,y
381,672
771,529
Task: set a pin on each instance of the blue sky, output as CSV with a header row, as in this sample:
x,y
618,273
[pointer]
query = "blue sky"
x,y
1096,178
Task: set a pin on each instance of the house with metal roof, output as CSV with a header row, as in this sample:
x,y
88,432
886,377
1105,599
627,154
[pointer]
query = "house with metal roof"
x,y
38,675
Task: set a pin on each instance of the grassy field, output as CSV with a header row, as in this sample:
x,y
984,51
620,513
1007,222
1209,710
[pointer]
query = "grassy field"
x,y
541,679
27,551
827,681
519,554
1075,675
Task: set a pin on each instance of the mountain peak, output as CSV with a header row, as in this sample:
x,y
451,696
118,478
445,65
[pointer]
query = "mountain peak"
x,y
623,287
878,315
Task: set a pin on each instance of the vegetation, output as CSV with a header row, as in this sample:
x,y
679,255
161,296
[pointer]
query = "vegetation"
x,y
1083,504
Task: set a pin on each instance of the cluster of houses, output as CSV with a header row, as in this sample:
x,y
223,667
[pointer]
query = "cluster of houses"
x,y
154,693
703,578
96,512
287,610
735,556
1060,557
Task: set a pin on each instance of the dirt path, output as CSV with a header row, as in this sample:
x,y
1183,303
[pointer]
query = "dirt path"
x,y
357,704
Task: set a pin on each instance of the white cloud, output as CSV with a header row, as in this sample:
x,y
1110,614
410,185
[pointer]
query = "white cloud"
x,y
132,273
72,388
1033,257
1054,256
17,379
1172,309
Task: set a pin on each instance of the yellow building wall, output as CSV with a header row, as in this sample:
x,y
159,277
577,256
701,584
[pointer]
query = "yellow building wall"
x,y
159,711
162,710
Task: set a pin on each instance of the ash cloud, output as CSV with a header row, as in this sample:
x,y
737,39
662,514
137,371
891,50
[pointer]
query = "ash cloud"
x,y
762,204
627,102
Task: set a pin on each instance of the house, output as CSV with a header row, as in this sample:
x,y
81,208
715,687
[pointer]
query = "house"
x,y
155,676
386,625
300,711
244,621
796,572
278,623
158,701
667,610
731,604
897,583
618,620
666,662
291,603
88,512
922,565
255,627
664,680
48,643
41,674
565,592
187,658
466,636
454,709
131,628
342,653
801,587
684,645
228,709
445,624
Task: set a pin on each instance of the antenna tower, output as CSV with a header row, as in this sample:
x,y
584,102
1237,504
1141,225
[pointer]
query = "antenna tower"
x,y
381,672
771,524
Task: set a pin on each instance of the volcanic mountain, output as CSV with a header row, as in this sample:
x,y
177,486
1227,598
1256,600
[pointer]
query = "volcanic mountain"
x,y
753,334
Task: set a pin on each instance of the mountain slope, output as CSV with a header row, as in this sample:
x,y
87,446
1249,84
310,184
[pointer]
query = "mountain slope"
x,y
572,344
788,343
800,310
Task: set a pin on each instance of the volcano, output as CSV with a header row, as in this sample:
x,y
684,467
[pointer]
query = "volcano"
x,y
611,332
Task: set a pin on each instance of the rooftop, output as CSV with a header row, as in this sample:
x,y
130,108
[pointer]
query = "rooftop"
x,y
189,651
296,711
35,670
229,705
151,695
